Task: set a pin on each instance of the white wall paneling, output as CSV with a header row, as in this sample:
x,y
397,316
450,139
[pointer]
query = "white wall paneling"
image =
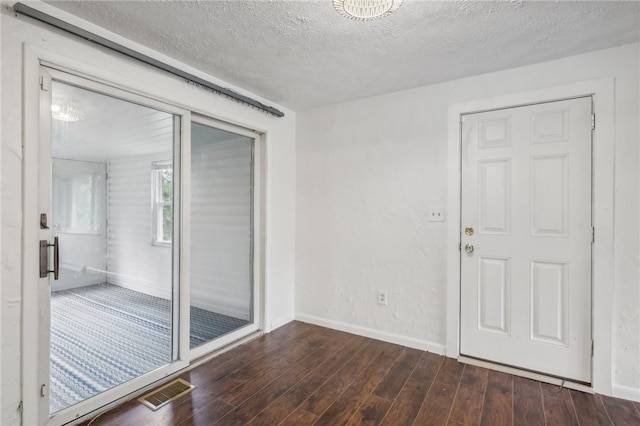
x,y
549,302
134,261
494,301
494,197
549,195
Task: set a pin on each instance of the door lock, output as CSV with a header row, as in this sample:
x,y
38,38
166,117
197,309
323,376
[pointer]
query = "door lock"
x,y
44,258
43,221
468,230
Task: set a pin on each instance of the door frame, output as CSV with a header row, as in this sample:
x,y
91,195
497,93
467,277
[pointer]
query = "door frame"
x,y
33,57
602,91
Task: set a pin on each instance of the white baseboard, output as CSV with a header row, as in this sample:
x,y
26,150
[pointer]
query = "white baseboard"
x,y
277,323
626,392
410,342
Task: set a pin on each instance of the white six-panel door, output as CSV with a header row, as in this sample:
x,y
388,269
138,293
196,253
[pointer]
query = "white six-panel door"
x,y
526,236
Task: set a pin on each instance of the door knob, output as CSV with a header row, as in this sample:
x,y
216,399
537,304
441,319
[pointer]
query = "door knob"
x,y
468,230
468,248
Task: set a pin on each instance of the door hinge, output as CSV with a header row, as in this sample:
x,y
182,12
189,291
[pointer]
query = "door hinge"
x,y
42,394
592,345
593,121
593,235
44,84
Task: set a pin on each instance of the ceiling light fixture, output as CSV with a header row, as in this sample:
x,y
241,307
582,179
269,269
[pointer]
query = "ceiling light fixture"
x,y
65,112
366,10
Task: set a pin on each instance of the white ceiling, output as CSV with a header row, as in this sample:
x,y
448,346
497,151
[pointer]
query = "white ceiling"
x,y
303,54
108,129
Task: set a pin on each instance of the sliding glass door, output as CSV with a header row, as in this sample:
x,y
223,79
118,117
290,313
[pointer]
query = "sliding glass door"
x,y
113,295
148,243
222,183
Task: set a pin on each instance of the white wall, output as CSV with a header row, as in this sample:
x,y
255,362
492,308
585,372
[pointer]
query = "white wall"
x,y
280,191
133,261
369,170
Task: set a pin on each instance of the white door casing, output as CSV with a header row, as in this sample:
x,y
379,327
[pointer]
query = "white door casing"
x,y
526,192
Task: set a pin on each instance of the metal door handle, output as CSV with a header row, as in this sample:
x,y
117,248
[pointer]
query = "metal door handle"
x,y
44,258
468,248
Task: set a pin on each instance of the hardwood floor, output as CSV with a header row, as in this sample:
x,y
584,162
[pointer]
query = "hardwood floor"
x,y
302,374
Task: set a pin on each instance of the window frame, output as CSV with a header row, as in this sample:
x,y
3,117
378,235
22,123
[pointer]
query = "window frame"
x,y
158,204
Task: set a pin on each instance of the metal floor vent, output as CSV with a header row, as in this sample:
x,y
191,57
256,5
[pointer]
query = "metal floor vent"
x,y
165,394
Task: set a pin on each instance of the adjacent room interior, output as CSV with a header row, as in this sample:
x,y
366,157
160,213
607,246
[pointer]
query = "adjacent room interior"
x,y
113,303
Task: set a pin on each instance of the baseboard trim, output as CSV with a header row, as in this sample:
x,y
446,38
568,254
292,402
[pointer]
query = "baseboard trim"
x,y
280,322
626,392
527,374
409,342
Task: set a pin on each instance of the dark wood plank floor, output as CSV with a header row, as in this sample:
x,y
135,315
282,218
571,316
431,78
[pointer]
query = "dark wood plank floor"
x,y
302,374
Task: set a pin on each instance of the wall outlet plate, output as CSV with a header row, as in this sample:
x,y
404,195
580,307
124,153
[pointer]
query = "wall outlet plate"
x,y
436,214
382,297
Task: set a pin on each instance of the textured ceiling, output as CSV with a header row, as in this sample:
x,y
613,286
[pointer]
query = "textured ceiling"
x,y
302,54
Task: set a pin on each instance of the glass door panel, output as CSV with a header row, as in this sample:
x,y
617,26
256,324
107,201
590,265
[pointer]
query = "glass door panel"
x,y
113,306
221,233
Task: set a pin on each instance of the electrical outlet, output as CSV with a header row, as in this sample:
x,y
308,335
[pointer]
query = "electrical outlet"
x,y
436,214
382,297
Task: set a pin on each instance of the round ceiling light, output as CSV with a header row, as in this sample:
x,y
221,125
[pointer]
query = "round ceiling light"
x,y
64,111
366,10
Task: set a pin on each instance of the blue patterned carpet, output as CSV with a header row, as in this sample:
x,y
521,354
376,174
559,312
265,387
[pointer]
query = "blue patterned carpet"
x,y
104,335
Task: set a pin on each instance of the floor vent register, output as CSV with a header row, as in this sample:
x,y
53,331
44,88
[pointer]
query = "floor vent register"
x,y
165,394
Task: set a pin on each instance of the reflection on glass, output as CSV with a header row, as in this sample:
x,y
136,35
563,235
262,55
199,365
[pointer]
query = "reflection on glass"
x,y
111,309
221,232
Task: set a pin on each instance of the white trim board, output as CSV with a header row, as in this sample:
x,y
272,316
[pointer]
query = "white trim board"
x,y
626,392
371,333
603,204
279,322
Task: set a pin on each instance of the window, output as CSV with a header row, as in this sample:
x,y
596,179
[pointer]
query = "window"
x,y
162,194
78,194
83,212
